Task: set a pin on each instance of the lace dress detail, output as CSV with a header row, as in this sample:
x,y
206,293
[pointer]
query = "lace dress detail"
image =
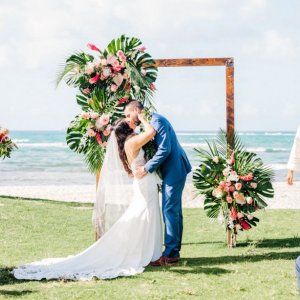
x,y
124,250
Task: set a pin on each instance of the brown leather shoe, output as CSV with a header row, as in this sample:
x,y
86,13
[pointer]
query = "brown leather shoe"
x,y
171,260
158,263
164,261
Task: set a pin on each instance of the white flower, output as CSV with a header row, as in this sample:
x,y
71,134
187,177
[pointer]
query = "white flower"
x,y
250,217
249,200
216,159
218,193
89,68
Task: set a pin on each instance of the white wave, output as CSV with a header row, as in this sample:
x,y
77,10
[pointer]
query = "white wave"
x,y
279,133
195,134
279,166
21,140
43,145
263,149
193,145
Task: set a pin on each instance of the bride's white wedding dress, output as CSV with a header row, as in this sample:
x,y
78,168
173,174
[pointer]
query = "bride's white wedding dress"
x,y
124,250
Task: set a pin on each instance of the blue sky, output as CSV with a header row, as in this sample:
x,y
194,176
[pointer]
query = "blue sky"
x,y
262,36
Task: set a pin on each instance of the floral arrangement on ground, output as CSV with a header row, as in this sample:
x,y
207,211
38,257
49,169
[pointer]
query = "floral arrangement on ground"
x,y
234,182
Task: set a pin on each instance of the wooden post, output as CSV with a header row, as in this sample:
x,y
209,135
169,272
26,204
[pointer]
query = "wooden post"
x,y
228,62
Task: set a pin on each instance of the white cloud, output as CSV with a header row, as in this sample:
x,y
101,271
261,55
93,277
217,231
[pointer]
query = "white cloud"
x,y
272,45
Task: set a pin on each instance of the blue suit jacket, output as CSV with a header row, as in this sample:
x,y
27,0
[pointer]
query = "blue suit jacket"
x,y
170,156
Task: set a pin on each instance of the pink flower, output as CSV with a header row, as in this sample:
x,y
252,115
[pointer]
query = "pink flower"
x,y
103,62
238,186
231,188
253,185
118,79
229,199
111,59
125,75
116,67
94,79
91,133
104,119
106,131
142,48
233,213
93,47
121,55
98,138
94,115
247,177
85,115
106,72
86,91
236,195
113,88
152,87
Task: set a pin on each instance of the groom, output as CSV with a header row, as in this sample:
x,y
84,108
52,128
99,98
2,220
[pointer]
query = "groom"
x,y
174,166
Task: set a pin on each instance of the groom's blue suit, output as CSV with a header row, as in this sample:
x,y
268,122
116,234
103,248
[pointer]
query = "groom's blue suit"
x,y
174,166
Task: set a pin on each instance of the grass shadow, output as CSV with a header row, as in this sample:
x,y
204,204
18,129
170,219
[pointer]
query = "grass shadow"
x,y
14,294
65,203
273,243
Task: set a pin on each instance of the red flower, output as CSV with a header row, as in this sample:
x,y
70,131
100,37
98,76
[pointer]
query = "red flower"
x,y
121,101
94,79
244,224
233,213
98,138
93,47
152,86
248,177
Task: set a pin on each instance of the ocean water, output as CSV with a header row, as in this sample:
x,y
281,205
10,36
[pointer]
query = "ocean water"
x,y
43,157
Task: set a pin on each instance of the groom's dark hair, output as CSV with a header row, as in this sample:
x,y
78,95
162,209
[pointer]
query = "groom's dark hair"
x,y
134,104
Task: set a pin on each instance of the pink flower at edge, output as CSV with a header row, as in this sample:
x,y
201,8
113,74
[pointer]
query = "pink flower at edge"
x,y
86,91
253,185
121,55
236,195
85,115
93,47
152,87
142,48
94,79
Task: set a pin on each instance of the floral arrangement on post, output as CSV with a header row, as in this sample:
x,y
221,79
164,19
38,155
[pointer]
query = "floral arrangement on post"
x,y
106,82
235,184
6,144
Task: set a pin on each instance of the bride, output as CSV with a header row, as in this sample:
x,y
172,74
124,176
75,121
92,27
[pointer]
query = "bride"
x,y
128,242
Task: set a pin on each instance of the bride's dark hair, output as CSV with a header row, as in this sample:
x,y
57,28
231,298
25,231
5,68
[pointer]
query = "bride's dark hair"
x,y
123,132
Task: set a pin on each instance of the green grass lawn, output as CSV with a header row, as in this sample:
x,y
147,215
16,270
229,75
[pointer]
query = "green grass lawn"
x,y
261,267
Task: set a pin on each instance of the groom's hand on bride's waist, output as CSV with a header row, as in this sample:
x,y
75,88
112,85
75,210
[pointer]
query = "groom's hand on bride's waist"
x,y
140,172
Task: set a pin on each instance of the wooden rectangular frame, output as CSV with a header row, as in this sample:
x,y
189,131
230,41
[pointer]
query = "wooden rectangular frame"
x,y
228,62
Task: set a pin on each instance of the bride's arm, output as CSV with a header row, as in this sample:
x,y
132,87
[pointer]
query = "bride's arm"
x,y
138,141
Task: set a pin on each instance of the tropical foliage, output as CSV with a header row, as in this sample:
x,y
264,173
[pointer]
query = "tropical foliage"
x,y
235,183
6,144
106,82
